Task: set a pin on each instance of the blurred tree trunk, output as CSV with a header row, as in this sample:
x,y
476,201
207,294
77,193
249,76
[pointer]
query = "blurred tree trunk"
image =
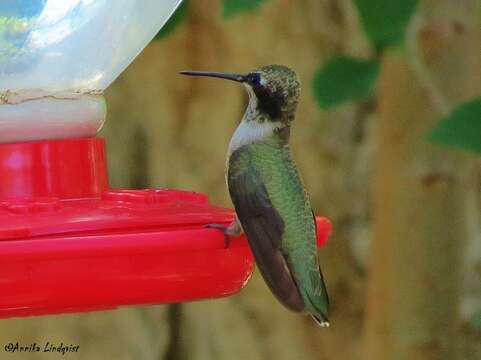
x,y
420,190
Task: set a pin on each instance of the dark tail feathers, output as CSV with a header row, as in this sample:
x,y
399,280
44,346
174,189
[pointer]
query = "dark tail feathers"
x,y
321,322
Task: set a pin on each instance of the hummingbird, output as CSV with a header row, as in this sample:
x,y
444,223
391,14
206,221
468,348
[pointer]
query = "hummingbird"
x,y
271,204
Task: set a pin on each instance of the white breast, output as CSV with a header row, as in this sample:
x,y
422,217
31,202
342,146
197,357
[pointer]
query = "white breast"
x,y
249,132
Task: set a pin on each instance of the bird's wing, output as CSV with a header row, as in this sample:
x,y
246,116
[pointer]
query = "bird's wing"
x,y
263,227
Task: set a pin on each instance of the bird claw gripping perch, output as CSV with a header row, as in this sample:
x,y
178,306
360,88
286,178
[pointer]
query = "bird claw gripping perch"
x,y
233,229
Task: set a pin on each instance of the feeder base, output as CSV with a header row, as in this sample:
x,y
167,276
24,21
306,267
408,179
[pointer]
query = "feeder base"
x,y
68,243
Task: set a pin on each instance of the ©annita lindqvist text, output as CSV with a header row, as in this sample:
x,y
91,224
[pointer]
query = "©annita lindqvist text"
x,y
46,347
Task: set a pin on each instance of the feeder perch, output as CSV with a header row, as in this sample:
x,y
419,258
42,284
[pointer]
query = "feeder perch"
x,y
68,242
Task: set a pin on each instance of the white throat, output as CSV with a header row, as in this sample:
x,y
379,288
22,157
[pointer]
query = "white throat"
x,y
251,131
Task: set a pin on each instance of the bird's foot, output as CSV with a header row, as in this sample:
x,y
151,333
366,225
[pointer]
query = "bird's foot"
x,y
222,228
233,229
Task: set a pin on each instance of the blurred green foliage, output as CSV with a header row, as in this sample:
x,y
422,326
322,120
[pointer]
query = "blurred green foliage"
x,y
231,8
174,21
476,320
345,78
461,128
235,7
385,21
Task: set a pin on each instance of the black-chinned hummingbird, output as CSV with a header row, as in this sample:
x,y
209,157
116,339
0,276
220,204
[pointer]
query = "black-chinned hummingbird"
x,y
272,206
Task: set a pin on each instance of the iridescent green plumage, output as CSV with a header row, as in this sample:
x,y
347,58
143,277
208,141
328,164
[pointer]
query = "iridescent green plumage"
x,y
271,203
274,178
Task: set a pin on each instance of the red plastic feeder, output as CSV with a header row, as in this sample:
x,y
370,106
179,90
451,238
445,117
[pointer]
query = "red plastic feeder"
x,y
68,243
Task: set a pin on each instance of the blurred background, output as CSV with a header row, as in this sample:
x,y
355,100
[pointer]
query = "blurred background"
x,y
388,141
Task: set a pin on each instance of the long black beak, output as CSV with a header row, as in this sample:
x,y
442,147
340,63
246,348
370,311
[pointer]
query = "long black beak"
x,y
221,75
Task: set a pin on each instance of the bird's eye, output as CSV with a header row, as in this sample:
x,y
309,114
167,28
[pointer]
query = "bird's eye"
x,y
254,79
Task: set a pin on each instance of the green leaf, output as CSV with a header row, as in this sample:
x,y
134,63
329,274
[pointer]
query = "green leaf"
x,y
476,320
461,128
345,78
385,21
235,7
174,21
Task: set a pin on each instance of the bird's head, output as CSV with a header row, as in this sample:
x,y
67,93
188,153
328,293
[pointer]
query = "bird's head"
x,y
273,92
